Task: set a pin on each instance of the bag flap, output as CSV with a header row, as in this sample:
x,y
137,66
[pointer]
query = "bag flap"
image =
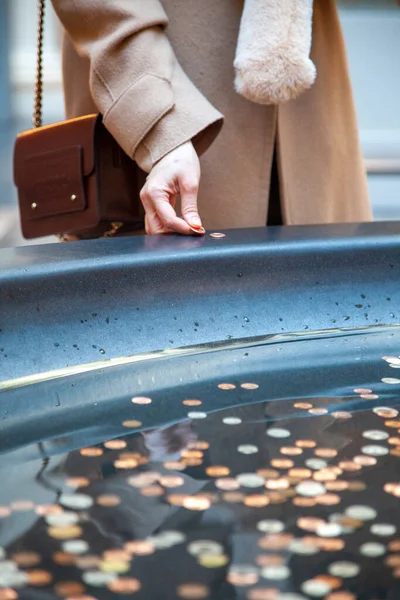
x,y
34,144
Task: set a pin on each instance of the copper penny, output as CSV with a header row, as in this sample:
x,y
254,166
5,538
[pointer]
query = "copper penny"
x,y
132,424
64,559
216,471
263,594
25,560
309,523
270,560
91,452
108,500
115,444
303,405
193,591
282,463
69,588
306,444
139,547
326,452
124,585
228,484
141,400
328,499
304,502
39,578
256,500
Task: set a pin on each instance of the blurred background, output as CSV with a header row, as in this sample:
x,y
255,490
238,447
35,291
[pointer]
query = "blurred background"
x,y
372,33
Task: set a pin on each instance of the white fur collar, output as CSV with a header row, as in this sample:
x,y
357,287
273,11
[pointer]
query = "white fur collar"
x,y
272,63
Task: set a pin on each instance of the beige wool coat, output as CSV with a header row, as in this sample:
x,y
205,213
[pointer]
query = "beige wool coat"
x,y
161,73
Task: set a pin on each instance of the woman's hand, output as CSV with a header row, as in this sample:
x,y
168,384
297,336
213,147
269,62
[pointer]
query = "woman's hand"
x,y
178,173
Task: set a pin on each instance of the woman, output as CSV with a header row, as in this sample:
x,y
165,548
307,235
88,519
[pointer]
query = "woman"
x,y
162,74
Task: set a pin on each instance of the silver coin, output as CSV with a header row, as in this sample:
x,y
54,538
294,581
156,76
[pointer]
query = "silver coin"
x,y
17,579
303,548
316,588
375,434
77,501
329,530
232,421
383,529
375,450
344,569
372,549
197,415
8,566
390,380
361,513
62,519
316,464
98,578
393,360
250,480
247,449
75,546
276,572
338,518
204,547
166,539
270,526
278,433
310,489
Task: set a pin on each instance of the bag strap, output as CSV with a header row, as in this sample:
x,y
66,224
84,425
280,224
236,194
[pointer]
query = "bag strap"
x,y
37,110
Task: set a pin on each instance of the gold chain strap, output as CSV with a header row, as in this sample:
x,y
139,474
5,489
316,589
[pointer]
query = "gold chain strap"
x,y
37,111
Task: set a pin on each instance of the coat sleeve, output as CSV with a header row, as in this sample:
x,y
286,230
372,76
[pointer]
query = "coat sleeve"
x,y
148,103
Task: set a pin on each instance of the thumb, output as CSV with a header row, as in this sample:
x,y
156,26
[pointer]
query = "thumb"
x,y
189,188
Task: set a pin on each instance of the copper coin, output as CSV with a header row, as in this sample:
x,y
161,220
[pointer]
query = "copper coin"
x,y
8,594
309,523
174,465
91,452
277,541
291,451
193,591
4,511
192,402
152,491
256,500
217,471
395,452
126,463
362,391
282,463
108,500
69,588
249,386
228,484
263,594
306,443
192,454
385,412
369,396
144,479
304,502
300,473
22,505
349,465
331,544
171,481
333,582
337,486
139,547
227,386
268,473
341,414
328,499
77,482
341,596
115,444
141,400
356,486
198,445
278,497
196,503
303,405
325,475
394,546
116,554
394,441
326,452
65,559
392,424
233,497
124,585
64,532
39,578
177,499
393,560
318,411
270,560
277,484
132,424
192,462
365,461
87,562
25,560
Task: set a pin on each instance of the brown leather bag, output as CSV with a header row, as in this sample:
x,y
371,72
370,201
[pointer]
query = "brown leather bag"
x,y
73,177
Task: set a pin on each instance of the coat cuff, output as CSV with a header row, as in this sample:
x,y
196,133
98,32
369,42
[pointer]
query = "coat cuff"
x,y
190,118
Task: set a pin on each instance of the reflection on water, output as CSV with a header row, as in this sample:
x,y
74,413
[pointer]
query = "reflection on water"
x,y
277,480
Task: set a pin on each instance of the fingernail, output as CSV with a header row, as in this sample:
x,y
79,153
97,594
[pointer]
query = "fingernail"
x,y
197,229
